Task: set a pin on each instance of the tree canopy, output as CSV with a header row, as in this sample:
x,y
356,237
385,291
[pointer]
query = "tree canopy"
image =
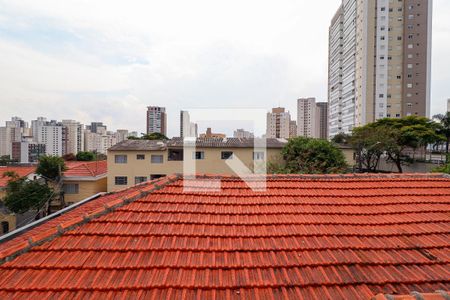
x,y
341,138
395,138
312,156
86,156
444,129
5,160
51,167
23,195
152,136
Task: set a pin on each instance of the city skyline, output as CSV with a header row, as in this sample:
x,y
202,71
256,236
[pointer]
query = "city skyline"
x,y
115,85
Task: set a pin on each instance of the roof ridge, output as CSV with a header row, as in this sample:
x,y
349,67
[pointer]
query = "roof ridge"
x,y
48,235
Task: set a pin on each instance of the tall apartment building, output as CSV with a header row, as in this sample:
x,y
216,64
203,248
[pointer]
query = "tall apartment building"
x,y
322,119
74,137
122,135
50,133
306,117
312,118
278,123
27,151
156,120
379,62
293,129
95,127
13,131
243,134
187,128
98,142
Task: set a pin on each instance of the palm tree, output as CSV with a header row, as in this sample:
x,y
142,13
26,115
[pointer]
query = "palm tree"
x,y
444,119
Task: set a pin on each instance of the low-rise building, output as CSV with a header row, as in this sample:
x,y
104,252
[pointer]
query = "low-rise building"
x,y
83,180
243,134
135,161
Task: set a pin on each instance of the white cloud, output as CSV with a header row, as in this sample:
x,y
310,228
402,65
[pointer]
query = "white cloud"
x,y
117,57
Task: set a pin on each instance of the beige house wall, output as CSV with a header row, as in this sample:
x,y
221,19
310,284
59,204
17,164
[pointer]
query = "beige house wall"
x,y
11,219
211,164
86,189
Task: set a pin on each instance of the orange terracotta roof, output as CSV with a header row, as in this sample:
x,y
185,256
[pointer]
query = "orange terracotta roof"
x,y
305,237
85,168
21,171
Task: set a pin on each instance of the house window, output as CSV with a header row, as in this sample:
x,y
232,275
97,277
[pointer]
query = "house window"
x,y
139,179
258,155
156,176
120,159
140,157
198,155
121,180
227,155
5,227
175,154
71,188
157,159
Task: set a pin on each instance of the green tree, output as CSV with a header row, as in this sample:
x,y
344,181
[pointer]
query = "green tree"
x,y
23,195
5,160
444,130
152,136
342,138
312,156
86,156
401,136
51,167
368,143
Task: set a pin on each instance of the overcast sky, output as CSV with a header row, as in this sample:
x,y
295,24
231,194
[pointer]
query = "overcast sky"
x,y
93,60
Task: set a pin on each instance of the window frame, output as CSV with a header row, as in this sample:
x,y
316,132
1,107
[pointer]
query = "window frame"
x,y
117,156
259,153
201,155
152,161
122,177
136,181
75,191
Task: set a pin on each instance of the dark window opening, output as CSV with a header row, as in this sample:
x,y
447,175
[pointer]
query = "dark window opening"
x,y
5,227
227,155
175,154
121,180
